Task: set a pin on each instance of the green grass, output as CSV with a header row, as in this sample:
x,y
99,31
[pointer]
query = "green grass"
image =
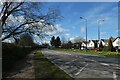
x,y
45,70
93,52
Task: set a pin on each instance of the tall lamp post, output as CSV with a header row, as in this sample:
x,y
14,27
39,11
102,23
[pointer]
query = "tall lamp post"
x,y
86,29
99,28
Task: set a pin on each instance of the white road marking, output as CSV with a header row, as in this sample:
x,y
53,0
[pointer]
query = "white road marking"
x,y
67,62
73,60
81,70
114,76
104,64
68,53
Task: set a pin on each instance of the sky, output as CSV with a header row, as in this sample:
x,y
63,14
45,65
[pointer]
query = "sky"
x,y
71,26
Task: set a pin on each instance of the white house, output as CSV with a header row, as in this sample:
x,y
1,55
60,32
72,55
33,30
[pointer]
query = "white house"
x,y
92,44
83,45
116,43
104,42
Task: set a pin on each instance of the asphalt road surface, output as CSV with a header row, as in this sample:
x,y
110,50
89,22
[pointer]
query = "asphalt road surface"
x,y
79,65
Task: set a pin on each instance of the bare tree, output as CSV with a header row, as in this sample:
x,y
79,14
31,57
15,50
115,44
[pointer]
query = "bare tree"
x,y
79,39
21,17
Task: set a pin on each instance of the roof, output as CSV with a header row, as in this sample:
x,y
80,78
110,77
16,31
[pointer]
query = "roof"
x,y
116,38
95,41
105,40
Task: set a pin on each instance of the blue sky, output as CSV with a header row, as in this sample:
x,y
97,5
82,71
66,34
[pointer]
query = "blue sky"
x,y
71,26
92,11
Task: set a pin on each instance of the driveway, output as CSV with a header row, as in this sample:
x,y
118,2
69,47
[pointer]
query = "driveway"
x,y
79,65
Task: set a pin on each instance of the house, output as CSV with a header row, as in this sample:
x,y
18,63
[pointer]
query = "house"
x,y
104,42
83,45
116,43
92,44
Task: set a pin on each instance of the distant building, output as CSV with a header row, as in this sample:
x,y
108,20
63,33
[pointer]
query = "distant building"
x,y
116,43
104,42
83,45
92,44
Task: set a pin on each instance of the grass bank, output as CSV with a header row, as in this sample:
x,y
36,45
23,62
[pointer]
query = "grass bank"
x,y
45,70
93,52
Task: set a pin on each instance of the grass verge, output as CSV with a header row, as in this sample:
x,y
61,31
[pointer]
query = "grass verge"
x,y
45,70
101,53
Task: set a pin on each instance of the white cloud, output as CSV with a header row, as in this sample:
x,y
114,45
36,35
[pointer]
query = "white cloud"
x,y
21,19
54,30
46,40
73,38
14,20
68,35
102,32
78,39
62,29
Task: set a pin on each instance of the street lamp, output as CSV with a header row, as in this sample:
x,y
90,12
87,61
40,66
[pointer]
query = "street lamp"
x,y
99,28
86,30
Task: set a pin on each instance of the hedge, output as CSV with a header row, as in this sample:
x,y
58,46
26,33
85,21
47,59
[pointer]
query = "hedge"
x,y
12,53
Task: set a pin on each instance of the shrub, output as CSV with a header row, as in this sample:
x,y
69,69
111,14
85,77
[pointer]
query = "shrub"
x,y
104,49
110,45
101,46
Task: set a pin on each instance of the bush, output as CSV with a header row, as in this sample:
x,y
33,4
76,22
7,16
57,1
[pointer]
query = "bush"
x,y
104,49
12,53
101,46
110,45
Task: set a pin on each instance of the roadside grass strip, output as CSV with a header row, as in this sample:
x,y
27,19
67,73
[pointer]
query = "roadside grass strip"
x,y
93,52
45,69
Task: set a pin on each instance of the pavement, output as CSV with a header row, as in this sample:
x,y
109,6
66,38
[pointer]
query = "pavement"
x,y
79,65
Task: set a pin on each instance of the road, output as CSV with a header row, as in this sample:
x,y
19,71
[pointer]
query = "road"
x,y
79,65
